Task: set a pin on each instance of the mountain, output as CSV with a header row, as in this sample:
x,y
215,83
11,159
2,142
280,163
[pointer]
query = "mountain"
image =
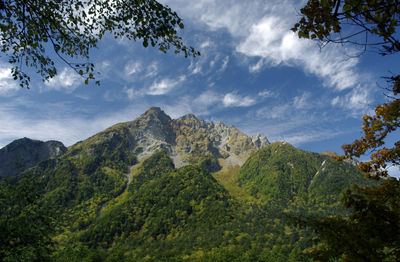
x,y
25,153
289,176
186,139
162,189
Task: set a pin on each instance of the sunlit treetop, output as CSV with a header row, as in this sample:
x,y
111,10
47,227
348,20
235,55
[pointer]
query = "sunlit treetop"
x,y
34,32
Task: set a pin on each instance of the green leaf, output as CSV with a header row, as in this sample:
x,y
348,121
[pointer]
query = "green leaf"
x,y
346,8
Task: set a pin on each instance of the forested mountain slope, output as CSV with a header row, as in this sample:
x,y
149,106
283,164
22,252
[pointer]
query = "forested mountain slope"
x,y
111,198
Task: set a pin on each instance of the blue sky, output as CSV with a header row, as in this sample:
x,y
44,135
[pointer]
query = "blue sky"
x,y
254,73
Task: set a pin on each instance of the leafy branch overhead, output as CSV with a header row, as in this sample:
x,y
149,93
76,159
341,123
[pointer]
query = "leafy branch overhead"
x,y
33,31
360,22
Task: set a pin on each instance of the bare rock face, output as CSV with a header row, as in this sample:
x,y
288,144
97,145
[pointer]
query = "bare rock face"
x,y
187,138
155,124
25,153
259,140
152,132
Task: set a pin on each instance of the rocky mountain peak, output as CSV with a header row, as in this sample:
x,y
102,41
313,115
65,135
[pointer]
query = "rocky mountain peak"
x,y
153,127
191,121
189,116
184,139
260,140
155,114
25,152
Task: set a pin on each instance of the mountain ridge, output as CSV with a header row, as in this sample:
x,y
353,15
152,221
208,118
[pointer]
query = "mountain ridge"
x,y
187,137
119,196
24,153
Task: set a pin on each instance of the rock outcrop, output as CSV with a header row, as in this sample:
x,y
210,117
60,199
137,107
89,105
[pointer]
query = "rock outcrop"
x,y
189,137
25,153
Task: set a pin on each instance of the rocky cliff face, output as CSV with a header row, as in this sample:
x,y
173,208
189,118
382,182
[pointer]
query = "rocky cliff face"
x,y
25,153
188,137
186,140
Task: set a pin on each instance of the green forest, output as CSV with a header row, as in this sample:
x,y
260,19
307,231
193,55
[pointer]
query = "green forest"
x,y
88,205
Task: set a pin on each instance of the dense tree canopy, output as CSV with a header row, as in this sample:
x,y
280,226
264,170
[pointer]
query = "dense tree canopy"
x,y
33,32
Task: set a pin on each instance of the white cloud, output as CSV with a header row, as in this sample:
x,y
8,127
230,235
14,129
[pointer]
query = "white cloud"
x,y
302,137
335,101
286,110
104,68
132,67
130,92
8,85
180,107
275,112
68,80
301,102
212,62
152,70
357,101
164,86
194,68
256,67
266,94
262,30
284,122
271,40
224,65
234,100
205,44
208,98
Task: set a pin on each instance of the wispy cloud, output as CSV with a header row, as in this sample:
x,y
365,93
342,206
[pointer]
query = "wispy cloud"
x,y
194,68
224,65
302,101
260,32
306,136
8,85
358,101
132,67
271,40
130,92
68,80
234,100
152,70
266,94
208,98
164,86
285,123
273,112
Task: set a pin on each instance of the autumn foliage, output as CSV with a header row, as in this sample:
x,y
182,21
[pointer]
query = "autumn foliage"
x,y
376,128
